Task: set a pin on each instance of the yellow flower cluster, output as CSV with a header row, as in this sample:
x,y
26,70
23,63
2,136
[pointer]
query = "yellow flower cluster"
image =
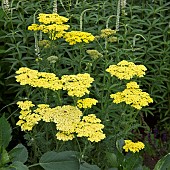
x,y
91,128
74,37
52,24
94,54
86,103
77,85
27,119
126,70
133,96
38,79
52,18
133,146
67,118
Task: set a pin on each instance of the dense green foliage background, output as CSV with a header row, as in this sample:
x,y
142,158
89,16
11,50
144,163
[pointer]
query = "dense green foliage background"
x,y
143,37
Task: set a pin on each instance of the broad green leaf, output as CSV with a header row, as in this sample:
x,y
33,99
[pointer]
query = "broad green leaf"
x,y
112,159
163,163
59,161
5,132
86,166
18,166
19,153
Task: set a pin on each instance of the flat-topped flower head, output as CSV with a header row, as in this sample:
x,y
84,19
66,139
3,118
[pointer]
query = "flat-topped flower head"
x,y
86,103
126,70
133,96
38,79
52,18
133,146
77,85
91,128
75,37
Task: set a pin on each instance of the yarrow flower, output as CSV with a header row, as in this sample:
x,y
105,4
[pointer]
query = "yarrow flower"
x,y
52,24
94,54
133,96
86,103
75,37
126,70
52,18
67,118
133,146
77,85
38,79
91,128
27,119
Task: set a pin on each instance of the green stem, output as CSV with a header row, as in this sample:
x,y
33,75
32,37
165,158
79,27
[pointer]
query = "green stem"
x,y
33,165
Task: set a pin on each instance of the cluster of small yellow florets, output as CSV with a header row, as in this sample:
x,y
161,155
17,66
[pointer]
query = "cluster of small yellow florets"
x,y
86,103
126,70
67,118
78,36
53,25
133,96
38,79
27,119
91,128
76,85
133,146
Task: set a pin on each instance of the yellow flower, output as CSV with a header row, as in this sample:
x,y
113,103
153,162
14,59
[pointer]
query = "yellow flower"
x,y
52,24
86,103
52,18
133,146
91,128
77,85
74,37
38,79
126,70
25,105
27,119
64,136
133,96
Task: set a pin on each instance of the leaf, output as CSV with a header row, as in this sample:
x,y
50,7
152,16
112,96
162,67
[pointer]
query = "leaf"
x,y
19,153
59,161
4,157
112,159
86,166
119,144
163,163
5,132
18,166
